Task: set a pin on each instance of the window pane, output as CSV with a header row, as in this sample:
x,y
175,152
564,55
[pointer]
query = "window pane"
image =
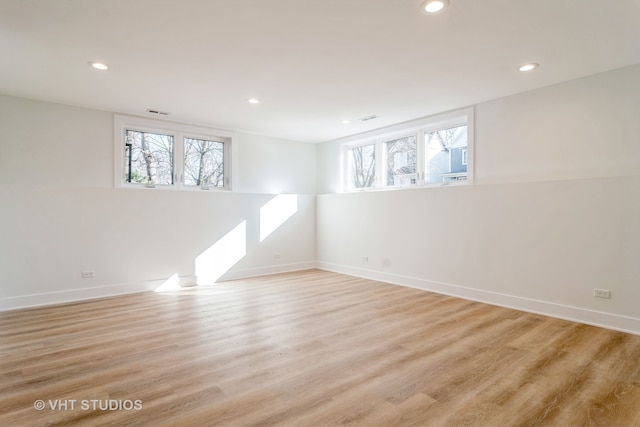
x,y
148,158
446,155
203,163
401,161
362,166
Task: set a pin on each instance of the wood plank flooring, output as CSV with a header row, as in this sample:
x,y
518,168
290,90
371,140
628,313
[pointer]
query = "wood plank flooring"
x,y
311,348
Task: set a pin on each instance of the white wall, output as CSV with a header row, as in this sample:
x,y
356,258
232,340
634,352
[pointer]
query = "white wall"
x,y
555,211
60,214
289,168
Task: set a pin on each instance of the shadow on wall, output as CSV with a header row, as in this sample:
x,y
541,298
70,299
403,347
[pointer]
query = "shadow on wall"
x,y
220,257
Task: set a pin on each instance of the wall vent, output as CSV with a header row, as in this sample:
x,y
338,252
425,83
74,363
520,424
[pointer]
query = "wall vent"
x,y
162,113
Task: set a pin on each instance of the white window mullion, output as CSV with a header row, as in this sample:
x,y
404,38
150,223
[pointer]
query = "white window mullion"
x,y
380,164
470,146
421,154
225,164
178,154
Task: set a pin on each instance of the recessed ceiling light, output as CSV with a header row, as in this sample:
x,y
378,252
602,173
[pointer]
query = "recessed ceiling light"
x,y
99,65
434,6
253,101
345,122
529,67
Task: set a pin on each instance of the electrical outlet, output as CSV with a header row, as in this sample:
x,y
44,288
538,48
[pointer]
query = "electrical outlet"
x,y
276,255
365,259
87,274
602,293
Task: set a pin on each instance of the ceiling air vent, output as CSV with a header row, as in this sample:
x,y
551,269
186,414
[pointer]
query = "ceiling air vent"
x,y
366,119
162,113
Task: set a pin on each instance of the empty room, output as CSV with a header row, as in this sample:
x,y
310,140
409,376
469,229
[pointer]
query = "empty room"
x,y
296,213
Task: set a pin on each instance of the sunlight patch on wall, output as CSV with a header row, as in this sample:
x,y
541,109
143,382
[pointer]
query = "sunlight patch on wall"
x,y
171,284
222,255
276,212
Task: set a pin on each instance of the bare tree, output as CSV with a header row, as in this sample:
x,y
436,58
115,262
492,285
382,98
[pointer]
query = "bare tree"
x,y
151,157
204,162
401,159
363,168
448,136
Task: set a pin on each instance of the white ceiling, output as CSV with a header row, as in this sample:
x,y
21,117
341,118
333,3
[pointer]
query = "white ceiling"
x,y
312,63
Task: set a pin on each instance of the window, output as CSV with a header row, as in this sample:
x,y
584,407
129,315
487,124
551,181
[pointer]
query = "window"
x,y
148,158
203,163
362,166
155,154
401,161
444,154
425,152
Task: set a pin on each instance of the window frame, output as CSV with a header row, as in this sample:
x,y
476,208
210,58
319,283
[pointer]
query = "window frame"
x,y
179,132
385,154
417,128
124,166
225,165
347,164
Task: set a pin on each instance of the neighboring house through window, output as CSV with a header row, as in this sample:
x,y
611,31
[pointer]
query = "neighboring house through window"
x,y
430,151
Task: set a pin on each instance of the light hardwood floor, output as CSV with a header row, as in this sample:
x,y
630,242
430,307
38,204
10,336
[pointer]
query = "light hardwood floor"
x,y
310,349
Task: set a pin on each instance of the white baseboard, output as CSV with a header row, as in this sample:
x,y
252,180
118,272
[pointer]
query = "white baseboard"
x,y
72,295
266,271
575,314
